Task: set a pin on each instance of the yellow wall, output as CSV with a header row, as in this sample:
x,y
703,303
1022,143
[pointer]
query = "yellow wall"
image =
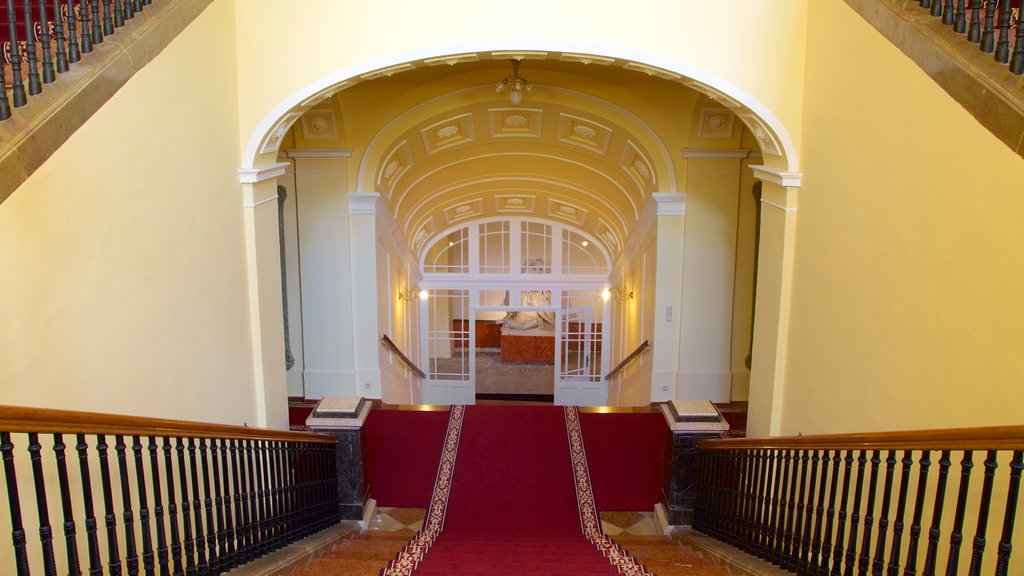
x,y
123,256
908,281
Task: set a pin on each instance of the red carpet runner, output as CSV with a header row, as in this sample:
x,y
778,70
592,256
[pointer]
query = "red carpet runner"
x,y
521,501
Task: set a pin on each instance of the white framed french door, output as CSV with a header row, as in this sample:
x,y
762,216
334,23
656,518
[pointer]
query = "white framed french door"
x,y
578,374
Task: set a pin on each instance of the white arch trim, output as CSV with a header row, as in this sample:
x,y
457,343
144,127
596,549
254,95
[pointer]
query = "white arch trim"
x,y
305,95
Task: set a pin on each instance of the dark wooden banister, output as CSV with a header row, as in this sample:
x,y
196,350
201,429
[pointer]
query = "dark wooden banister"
x,y
47,420
987,438
401,356
632,355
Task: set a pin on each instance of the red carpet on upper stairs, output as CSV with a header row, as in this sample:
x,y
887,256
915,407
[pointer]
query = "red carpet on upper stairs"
x,y
513,496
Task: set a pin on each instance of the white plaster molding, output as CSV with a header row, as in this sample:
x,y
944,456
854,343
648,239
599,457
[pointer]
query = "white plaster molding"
x,y
254,175
777,177
718,153
261,202
779,206
670,203
319,153
363,203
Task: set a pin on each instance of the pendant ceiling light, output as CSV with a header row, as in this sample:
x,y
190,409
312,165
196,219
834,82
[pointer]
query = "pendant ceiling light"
x,y
516,85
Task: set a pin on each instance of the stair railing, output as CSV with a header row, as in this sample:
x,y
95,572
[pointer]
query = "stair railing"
x,y
629,358
839,504
401,356
987,23
44,38
192,497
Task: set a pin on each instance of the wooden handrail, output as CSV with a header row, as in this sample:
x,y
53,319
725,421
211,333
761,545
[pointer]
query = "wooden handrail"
x,y
401,356
47,420
639,350
986,438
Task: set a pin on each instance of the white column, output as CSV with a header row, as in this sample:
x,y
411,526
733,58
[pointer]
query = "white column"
x,y
363,208
668,294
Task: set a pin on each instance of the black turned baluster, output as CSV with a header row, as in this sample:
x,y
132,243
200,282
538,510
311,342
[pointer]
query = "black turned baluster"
x,y
45,532
988,38
172,510
14,502
34,85
780,528
261,495
58,29
18,98
279,488
255,538
947,13
775,530
851,545
197,510
935,531
131,555
732,495
244,534
74,55
113,554
901,508
95,567
877,565
791,512
5,104
960,18
237,497
228,544
808,514
304,485
974,30
935,6
186,519
983,510
1017,60
97,30
108,20
869,516
837,556
140,484
288,490
44,44
70,543
273,511
956,537
830,514
218,502
1012,493
158,510
767,481
760,489
915,524
1002,53
118,14
128,9
749,495
213,563
137,6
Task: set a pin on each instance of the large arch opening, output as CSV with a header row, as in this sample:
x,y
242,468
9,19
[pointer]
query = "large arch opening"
x,y
600,147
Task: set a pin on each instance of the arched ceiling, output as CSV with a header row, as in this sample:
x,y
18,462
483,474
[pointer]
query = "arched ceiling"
x,y
587,146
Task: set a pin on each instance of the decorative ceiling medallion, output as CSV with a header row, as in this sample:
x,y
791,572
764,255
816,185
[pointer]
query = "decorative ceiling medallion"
x,y
447,133
584,133
565,211
769,144
514,122
389,71
714,95
717,123
424,232
273,142
520,204
652,71
639,168
464,210
605,233
391,168
586,59
395,165
318,125
452,60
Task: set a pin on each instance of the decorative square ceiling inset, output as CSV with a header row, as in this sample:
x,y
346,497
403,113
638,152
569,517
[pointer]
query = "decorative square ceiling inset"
x,y
273,141
605,233
566,211
398,162
464,210
514,203
584,133
769,144
423,233
717,123
515,122
637,166
318,125
447,133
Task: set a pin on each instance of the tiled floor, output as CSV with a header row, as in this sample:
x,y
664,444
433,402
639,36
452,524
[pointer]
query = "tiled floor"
x,y
613,523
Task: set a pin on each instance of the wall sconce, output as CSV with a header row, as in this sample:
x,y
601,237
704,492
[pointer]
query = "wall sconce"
x,y
408,294
618,293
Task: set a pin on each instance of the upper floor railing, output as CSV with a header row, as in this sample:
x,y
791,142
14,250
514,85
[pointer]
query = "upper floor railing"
x,y
991,24
838,504
44,38
192,497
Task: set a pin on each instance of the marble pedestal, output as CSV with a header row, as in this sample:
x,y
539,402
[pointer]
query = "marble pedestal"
x,y
343,418
689,421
